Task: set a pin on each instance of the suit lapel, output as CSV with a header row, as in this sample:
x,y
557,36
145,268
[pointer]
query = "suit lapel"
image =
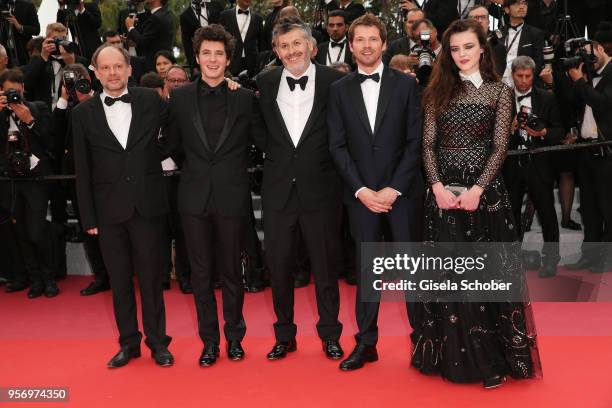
x,y
357,96
236,28
251,28
196,118
137,108
102,124
386,89
273,94
230,117
317,104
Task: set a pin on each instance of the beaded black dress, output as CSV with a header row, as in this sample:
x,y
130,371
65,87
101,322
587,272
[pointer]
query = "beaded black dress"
x,y
466,144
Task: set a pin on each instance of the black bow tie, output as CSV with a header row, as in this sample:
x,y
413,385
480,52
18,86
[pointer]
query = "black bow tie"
x,y
302,81
241,11
521,97
516,27
337,44
374,77
109,100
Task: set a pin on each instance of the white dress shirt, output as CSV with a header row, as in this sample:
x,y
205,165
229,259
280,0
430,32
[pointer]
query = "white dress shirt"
x,y
589,126
243,21
475,78
336,54
118,117
463,7
296,105
370,90
203,16
512,40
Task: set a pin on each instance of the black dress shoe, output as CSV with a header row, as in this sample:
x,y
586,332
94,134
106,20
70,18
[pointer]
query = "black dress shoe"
x,y
281,348
15,286
166,285
333,349
94,287
162,357
361,355
253,288
209,355
235,351
548,271
571,224
493,382
583,263
36,290
185,286
124,355
351,280
51,289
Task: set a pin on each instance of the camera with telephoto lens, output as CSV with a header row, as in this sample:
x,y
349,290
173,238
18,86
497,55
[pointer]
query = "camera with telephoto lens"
x,y
73,83
577,54
12,96
132,6
526,118
549,55
426,57
68,46
17,155
5,7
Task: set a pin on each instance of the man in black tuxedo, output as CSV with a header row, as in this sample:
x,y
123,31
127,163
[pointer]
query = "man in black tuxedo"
x,y
374,120
83,26
21,24
247,29
336,49
24,126
405,44
300,185
211,125
122,198
154,34
518,38
352,10
193,17
534,173
595,170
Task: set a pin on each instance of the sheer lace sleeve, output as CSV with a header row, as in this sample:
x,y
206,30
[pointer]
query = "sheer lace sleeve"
x,y
501,134
430,161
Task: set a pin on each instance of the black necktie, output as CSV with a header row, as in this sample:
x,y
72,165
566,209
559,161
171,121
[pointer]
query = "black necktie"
x,y
241,11
109,100
520,98
302,81
374,77
337,44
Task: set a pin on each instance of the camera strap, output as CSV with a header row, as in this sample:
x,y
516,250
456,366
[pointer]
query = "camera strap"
x,y
517,35
339,53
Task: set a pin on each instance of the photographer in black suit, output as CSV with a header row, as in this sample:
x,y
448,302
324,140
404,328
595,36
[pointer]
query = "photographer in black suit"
x,y
154,34
24,143
19,24
595,171
337,48
199,13
83,20
122,197
534,173
404,45
352,10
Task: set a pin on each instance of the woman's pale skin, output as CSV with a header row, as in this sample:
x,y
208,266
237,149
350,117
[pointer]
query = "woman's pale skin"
x,y
466,51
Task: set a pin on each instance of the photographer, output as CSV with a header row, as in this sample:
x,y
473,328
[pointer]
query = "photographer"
x,y
25,141
18,24
199,13
75,89
595,171
43,75
154,34
84,21
404,45
337,48
536,123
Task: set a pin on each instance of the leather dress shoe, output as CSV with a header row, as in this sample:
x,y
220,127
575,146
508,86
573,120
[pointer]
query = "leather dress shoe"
x,y
162,357
124,355
15,286
333,349
185,286
51,289
361,355
281,348
301,282
94,287
493,382
166,285
235,351
571,224
548,271
209,355
583,263
351,279
36,290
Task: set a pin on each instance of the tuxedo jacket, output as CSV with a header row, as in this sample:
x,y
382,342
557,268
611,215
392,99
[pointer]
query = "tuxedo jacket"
x,y
112,182
212,173
154,34
86,28
389,156
253,44
599,99
25,12
142,17
530,44
441,13
352,12
323,49
307,167
190,23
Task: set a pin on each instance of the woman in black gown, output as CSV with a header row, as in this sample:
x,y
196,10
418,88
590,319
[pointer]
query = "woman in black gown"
x,y
467,126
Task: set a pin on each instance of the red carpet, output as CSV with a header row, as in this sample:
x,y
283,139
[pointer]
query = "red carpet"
x,y
66,342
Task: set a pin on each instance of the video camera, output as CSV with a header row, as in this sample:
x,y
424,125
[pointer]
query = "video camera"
x,y
426,57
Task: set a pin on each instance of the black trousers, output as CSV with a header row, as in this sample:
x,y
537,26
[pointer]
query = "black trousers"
x,y
595,174
367,226
320,231
202,232
521,176
172,229
134,246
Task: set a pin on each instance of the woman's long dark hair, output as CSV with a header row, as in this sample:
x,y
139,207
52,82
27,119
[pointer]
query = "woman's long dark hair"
x,y
445,81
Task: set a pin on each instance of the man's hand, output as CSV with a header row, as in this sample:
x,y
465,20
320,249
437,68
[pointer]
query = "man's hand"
x,y
69,58
514,124
64,93
576,73
370,199
408,5
92,231
535,133
387,195
547,76
413,59
22,112
13,20
48,47
569,138
3,102
130,21
231,84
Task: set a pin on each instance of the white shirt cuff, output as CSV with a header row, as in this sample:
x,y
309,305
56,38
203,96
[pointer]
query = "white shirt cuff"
x,y
328,1
398,193
130,29
61,104
357,192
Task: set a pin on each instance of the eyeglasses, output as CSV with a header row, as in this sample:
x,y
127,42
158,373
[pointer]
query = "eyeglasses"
x,y
176,81
480,18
